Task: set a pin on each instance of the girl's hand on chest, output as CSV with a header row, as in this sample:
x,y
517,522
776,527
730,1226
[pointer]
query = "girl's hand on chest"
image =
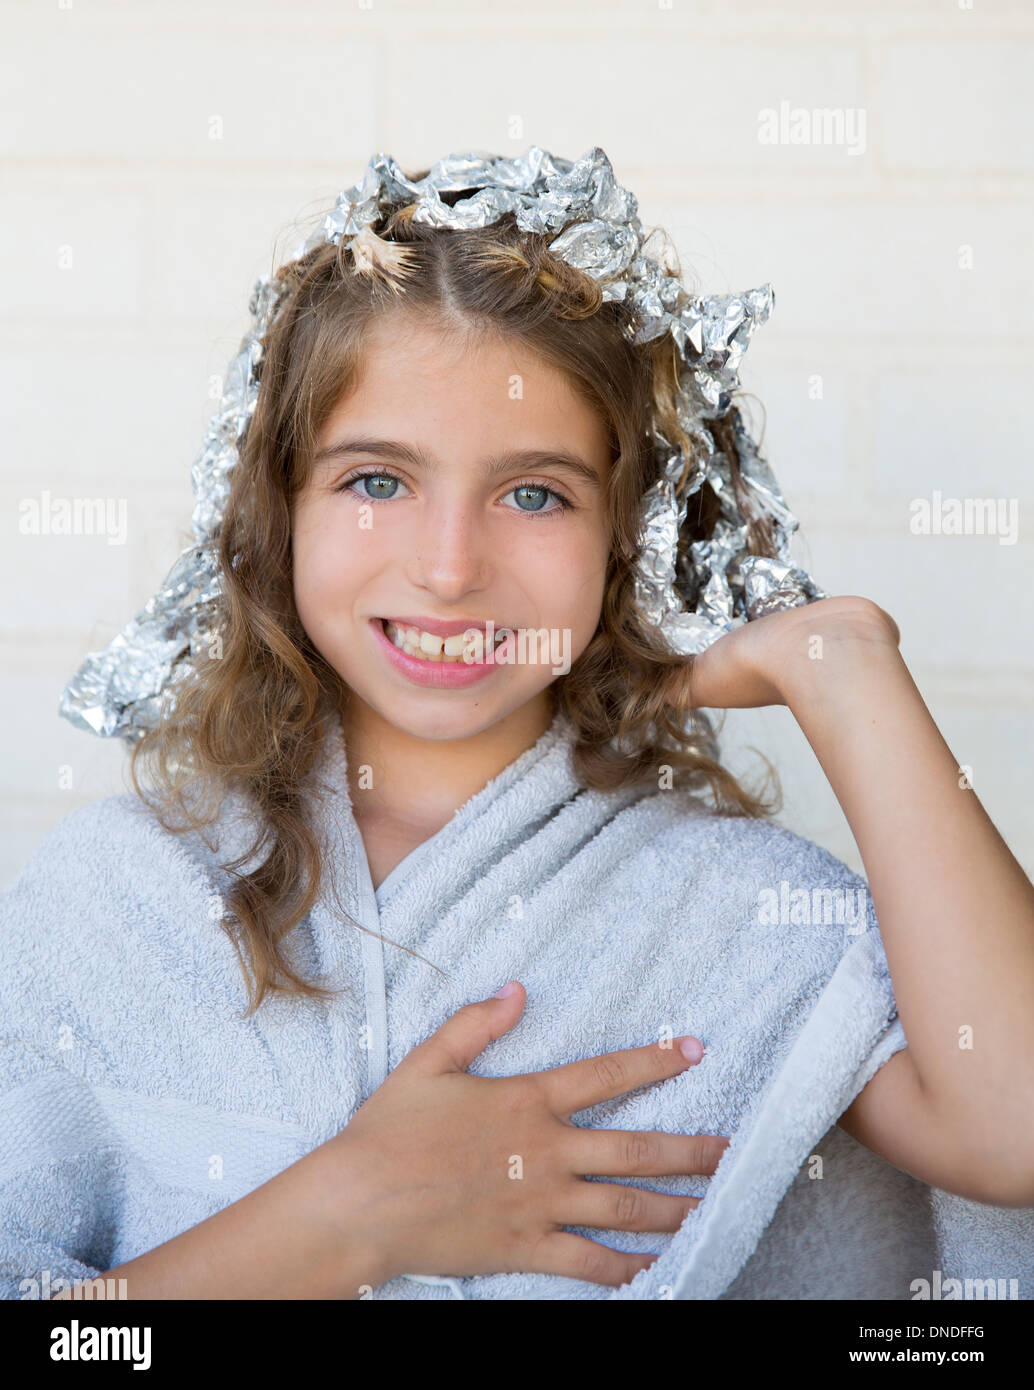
x,y
474,1175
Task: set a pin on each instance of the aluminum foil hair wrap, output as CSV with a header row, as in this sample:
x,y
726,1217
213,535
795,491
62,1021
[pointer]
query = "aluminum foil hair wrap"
x,y
591,222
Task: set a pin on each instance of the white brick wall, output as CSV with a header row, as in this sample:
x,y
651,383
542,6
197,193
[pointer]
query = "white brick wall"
x,y
106,119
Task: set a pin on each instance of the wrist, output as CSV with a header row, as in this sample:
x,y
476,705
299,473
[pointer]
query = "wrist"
x,y
348,1208
824,661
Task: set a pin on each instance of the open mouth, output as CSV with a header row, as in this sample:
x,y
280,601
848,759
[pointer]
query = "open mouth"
x,y
464,647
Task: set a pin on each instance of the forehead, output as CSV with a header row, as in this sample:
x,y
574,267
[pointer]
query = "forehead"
x,y
418,375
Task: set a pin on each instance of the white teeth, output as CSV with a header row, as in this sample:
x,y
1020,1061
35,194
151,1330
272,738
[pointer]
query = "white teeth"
x,y
428,646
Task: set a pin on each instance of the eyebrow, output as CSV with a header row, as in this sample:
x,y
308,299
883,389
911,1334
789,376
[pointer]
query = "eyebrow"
x,y
511,461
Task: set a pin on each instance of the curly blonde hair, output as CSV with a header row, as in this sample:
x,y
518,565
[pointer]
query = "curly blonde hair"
x,y
254,718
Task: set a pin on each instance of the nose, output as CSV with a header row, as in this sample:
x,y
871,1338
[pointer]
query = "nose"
x,y
449,549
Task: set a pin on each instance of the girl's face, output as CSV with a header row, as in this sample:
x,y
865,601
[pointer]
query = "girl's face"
x,y
451,528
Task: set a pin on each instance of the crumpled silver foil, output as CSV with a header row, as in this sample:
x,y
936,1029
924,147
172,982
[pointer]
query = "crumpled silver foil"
x,y
692,600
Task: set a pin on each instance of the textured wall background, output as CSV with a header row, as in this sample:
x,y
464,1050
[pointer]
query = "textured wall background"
x,y
156,156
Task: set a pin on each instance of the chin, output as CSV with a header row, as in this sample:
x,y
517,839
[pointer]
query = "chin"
x,y
417,719
441,716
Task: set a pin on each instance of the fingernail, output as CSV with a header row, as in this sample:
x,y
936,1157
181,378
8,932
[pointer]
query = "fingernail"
x,y
505,992
691,1048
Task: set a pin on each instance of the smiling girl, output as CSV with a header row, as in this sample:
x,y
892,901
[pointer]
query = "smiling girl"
x,y
450,442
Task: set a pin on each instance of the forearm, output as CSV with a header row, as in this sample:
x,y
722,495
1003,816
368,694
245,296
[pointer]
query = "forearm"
x,y
303,1234
956,911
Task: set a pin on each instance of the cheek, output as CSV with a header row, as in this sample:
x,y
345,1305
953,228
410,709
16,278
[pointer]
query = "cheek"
x,y
325,571
570,580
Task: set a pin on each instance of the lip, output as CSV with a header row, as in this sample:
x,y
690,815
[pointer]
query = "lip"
x,y
442,675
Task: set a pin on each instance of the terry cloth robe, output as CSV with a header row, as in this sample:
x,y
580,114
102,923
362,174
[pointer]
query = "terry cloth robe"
x,y
136,1102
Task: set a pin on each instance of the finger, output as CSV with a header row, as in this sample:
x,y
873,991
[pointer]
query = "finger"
x,y
628,1153
614,1207
466,1034
577,1257
577,1085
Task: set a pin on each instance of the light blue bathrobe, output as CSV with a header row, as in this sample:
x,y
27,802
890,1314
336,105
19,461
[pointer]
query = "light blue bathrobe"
x,y
135,1102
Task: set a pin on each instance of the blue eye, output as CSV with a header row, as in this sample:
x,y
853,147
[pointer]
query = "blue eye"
x,y
388,478
544,492
390,483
